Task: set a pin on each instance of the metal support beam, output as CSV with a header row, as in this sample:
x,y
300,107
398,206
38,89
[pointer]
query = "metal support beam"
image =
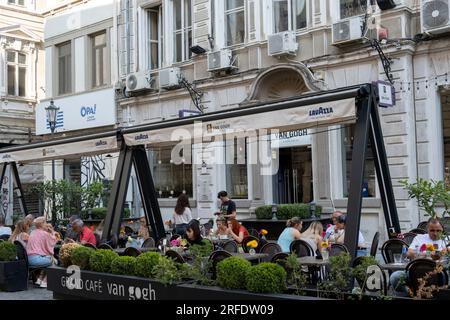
x,y
18,189
360,139
148,192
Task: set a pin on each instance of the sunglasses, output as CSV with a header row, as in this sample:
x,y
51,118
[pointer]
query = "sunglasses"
x,y
434,230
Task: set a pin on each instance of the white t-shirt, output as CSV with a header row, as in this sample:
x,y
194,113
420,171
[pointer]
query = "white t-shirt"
x,y
5,230
182,218
340,234
421,239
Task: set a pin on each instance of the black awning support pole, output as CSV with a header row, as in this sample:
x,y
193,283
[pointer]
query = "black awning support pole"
x,y
383,173
148,192
106,234
360,139
1,184
19,190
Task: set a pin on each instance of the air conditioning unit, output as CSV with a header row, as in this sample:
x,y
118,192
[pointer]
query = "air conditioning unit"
x,y
347,31
220,60
139,81
435,16
282,43
168,78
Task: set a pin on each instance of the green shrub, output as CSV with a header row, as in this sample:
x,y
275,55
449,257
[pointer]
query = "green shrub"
x,y
145,263
166,271
232,272
124,266
203,250
65,253
101,260
8,251
266,277
360,271
80,257
287,211
339,278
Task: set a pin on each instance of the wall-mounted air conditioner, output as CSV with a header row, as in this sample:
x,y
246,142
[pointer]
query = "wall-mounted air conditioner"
x,y
282,43
435,16
139,81
347,31
220,60
169,78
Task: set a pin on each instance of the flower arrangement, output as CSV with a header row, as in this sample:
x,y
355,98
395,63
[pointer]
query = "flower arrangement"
x,y
324,244
175,242
428,247
263,233
252,245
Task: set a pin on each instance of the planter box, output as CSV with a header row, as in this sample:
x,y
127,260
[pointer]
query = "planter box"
x,y
106,286
346,295
13,276
197,292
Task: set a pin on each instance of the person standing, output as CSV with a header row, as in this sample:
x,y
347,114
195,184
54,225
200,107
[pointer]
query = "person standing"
x,y
182,214
227,207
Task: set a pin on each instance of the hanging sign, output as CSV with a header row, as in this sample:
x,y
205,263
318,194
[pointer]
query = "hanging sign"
x,y
386,93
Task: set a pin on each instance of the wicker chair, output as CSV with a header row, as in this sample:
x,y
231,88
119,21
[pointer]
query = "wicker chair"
x,y
131,252
271,248
104,246
390,247
230,246
374,245
148,243
301,248
408,237
216,257
337,248
418,268
175,256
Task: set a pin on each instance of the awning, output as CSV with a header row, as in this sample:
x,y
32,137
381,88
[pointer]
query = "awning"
x,y
58,151
309,116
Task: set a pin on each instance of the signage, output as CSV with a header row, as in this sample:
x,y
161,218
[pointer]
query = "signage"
x,y
188,113
81,111
386,94
294,138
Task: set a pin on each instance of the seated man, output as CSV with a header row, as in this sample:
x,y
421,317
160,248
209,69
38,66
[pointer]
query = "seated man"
x,y
338,236
433,236
85,234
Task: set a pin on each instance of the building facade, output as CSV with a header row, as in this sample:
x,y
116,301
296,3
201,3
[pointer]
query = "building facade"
x,y
236,53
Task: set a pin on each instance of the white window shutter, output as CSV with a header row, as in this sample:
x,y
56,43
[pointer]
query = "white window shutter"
x,y
251,24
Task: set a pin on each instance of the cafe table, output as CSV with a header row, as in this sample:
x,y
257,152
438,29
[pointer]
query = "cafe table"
x,y
316,267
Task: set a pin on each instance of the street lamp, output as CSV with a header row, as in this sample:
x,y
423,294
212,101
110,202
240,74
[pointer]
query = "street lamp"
x,y
52,112
274,211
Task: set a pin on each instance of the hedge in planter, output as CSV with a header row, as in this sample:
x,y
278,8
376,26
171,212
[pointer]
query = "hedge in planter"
x,y
266,277
80,257
360,271
145,263
166,271
232,272
65,253
101,260
124,266
8,251
287,211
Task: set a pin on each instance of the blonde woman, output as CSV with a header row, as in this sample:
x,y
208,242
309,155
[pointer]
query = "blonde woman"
x,y
21,233
313,235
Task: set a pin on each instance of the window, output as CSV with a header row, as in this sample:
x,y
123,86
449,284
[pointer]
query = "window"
x,y
182,26
17,71
234,22
65,68
289,15
369,171
236,168
17,2
445,102
351,8
154,38
99,60
170,180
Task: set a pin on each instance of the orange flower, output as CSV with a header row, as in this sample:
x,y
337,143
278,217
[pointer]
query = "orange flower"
x,y
252,244
263,232
430,247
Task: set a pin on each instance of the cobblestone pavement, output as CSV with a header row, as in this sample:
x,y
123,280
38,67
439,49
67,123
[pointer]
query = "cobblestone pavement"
x,y
31,294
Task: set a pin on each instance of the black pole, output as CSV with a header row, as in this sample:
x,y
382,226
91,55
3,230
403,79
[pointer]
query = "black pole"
x,y
1,184
19,190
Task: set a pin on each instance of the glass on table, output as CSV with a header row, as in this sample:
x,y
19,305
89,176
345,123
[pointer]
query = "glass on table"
x,y
397,258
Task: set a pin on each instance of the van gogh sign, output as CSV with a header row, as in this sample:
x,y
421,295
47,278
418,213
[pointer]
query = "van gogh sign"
x,y
292,138
81,111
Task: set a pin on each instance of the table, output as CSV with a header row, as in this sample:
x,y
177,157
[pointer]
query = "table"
x,y
393,266
312,261
250,257
316,267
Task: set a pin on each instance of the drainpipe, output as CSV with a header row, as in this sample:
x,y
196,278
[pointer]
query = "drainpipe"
x,y
127,33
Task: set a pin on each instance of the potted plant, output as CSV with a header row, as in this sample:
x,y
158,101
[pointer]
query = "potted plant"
x,y
13,272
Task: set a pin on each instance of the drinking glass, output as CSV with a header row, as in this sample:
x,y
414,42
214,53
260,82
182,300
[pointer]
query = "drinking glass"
x,y
397,258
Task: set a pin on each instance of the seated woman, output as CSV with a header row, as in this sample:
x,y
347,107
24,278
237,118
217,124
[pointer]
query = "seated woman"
x,y
221,227
193,235
40,248
290,233
236,231
20,233
313,235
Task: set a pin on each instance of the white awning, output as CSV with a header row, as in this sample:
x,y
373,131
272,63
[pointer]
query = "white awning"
x,y
309,116
86,147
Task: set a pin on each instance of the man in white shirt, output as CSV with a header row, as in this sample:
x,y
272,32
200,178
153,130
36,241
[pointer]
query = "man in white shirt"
x,y
329,233
4,230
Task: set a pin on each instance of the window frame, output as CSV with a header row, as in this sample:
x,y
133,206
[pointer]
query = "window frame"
x,y
338,10
17,66
246,165
291,19
186,53
148,41
16,3
226,13
69,78
105,59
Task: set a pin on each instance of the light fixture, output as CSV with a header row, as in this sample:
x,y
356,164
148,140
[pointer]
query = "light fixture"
x,y
197,49
52,112
386,4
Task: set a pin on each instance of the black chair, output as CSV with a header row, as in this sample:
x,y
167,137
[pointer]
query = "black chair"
x,y
253,232
105,246
270,248
98,239
301,248
148,243
247,240
337,248
131,252
22,255
418,231
422,225
374,246
90,245
230,246
4,237
206,228
175,256
128,230
418,268
408,237
215,257
390,247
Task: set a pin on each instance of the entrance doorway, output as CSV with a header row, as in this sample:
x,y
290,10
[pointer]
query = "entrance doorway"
x,y
295,175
